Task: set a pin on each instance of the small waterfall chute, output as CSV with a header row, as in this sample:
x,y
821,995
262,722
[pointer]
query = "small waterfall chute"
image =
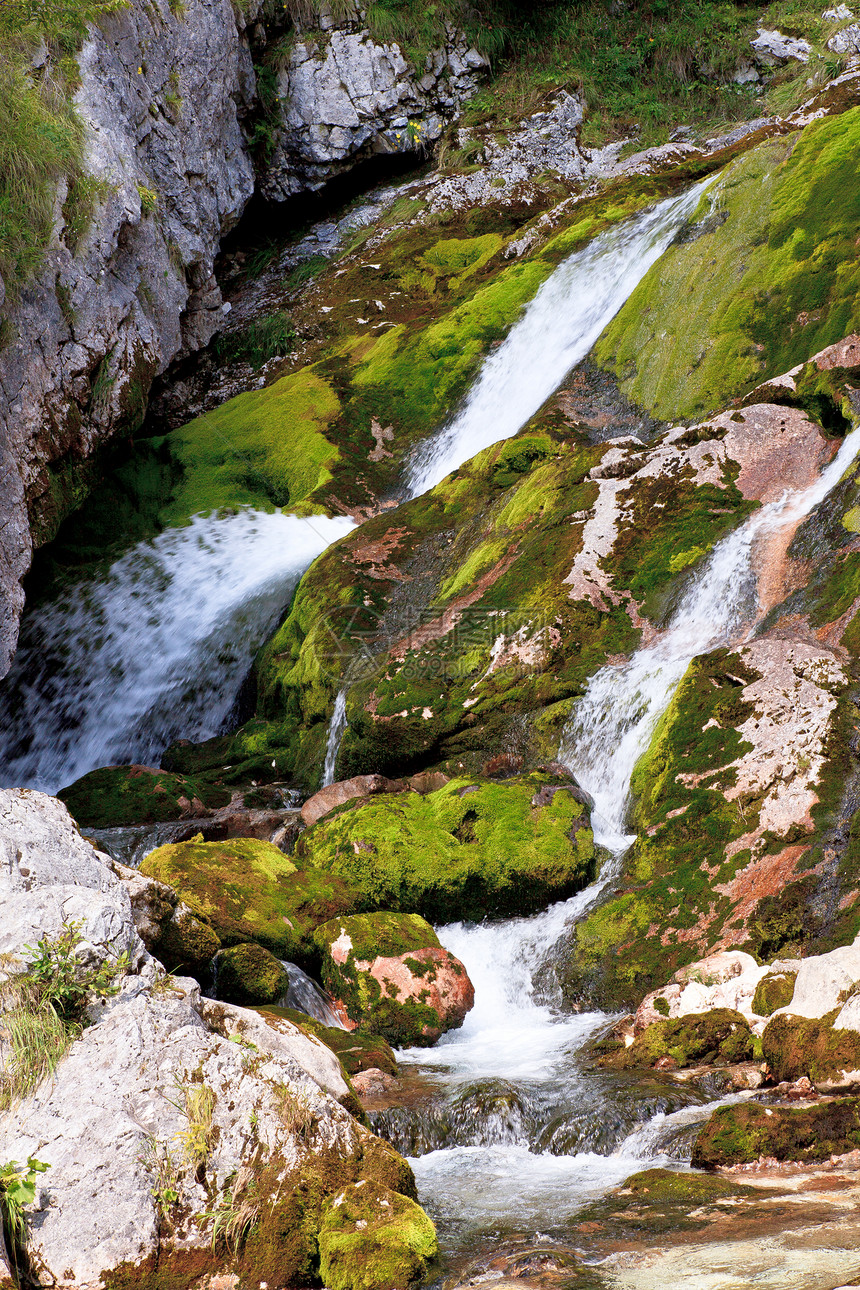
x,y
336,728
304,995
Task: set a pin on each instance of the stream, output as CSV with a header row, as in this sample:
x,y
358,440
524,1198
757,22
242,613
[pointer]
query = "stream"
x,y
517,1133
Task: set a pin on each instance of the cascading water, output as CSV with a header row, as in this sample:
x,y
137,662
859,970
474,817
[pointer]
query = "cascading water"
x,y
114,670
337,725
306,996
555,333
534,1169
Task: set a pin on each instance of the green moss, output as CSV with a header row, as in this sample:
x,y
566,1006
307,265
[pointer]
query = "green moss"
x,y
188,944
249,890
117,795
741,1133
839,592
468,850
796,1046
757,293
709,1038
677,1186
371,1238
249,974
776,990
630,944
266,448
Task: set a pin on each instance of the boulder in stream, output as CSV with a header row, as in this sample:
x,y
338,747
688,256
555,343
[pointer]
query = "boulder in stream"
x,y
391,975
117,795
249,974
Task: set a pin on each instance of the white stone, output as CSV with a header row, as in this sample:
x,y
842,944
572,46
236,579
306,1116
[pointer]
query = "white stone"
x,y
772,48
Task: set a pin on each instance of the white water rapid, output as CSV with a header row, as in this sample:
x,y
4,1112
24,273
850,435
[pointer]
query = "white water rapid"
x,y
113,671
529,1168
556,331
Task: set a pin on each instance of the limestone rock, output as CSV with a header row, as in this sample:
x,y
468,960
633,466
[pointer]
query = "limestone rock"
x,y
168,1108
821,980
351,97
772,48
846,41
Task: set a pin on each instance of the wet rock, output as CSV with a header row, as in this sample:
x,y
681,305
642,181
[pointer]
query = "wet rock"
x,y
373,1082
249,974
357,1050
393,977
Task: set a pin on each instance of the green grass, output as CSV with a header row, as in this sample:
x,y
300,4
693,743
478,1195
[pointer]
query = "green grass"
x,y
41,136
272,336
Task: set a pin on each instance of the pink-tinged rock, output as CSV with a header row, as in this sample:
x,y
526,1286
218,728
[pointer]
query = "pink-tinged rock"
x,y
444,986
347,790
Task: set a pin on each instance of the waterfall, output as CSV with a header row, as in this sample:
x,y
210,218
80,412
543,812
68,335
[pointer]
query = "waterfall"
x,y
304,995
337,725
115,670
512,1034
613,723
555,333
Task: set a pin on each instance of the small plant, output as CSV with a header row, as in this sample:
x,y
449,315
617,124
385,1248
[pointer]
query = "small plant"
x,y
148,199
236,1213
61,980
17,1191
157,1159
199,1104
271,337
295,1112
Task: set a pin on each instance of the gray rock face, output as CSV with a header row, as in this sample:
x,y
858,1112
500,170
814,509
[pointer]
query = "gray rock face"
x,y
168,1105
160,96
846,41
346,98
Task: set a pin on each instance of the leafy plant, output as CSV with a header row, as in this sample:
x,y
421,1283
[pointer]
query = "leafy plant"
x,y
61,980
158,1160
198,1106
17,1191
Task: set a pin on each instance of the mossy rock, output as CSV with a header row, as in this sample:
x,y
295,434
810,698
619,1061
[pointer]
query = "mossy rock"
x,y
250,891
186,942
721,1036
740,1134
757,291
357,1050
776,990
372,1238
350,946
118,795
797,1046
248,974
467,851
676,1186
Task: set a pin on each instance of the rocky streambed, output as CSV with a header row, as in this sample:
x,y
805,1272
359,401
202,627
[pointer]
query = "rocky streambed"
x,y
453,873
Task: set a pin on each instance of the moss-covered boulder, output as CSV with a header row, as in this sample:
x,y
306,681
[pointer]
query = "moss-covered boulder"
x,y
798,1046
358,1050
721,1036
740,1134
372,1238
469,850
117,795
393,977
677,1187
248,974
773,991
250,891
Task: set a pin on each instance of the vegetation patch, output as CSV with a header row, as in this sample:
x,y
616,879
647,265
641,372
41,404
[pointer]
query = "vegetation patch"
x,y
117,795
753,294
776,990
357,1050
719,1037
797,1046
249,974
372,1238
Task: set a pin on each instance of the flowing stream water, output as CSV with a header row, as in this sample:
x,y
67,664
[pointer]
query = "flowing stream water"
x,y
115,669
570,1137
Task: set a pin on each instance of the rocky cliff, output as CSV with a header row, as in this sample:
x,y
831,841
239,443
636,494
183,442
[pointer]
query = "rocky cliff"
x,y
169,99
